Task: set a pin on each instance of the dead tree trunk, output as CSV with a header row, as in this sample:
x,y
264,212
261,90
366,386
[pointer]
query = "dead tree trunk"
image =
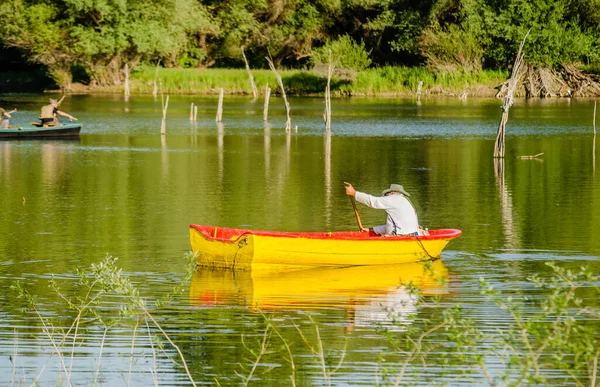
x,y
288,122
254,90
517,73
266,106
219,117
163,124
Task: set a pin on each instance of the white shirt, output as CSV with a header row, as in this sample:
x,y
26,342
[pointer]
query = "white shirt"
x,y
401,213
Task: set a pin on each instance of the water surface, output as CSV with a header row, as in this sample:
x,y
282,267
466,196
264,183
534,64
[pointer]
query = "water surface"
x,y
124,190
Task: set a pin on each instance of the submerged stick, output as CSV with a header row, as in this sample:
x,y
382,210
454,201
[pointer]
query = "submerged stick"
x,y
530,157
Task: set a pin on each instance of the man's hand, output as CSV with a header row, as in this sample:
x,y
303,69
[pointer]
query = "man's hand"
x,y
350,189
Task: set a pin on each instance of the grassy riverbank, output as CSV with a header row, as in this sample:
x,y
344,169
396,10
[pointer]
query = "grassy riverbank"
x,y
383,82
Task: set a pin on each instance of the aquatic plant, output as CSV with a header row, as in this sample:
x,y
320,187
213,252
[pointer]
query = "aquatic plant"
x,y
548,336
555,334
97,283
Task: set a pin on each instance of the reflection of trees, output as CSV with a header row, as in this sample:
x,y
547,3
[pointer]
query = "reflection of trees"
x,y
220,135
506,206
328,180
267,151
164,157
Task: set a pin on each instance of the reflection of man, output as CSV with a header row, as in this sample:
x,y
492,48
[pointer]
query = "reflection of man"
x,y
4,117
394,310
49,112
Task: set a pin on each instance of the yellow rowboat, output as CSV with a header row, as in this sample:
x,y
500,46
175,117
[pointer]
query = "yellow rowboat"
x,y
254,249
367,293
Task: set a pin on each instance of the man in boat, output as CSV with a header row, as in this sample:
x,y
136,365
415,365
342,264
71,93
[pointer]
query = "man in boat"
x,y
5,118
401,215
49,112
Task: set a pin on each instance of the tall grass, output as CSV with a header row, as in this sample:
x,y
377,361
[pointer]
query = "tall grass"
x,y
406,79
380,81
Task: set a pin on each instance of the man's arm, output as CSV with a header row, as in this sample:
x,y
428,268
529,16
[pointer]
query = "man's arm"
x,y
377,202
64,114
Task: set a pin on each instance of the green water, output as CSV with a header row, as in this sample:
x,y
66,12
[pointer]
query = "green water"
x,y
124,190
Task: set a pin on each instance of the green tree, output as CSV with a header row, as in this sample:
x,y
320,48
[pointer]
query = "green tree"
x,y
455,37
101,35
562,31
285,30
346,53
388,28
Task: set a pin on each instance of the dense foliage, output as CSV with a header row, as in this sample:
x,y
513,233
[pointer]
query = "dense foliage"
x,y
101,36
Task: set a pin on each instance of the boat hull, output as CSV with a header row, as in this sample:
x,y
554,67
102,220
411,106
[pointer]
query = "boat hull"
x,y
30,131
247,249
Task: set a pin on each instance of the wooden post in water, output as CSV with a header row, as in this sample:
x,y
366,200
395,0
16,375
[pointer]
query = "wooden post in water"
x,y
195,113
164,106
126,86
220,106
154,91
192,112
517,73
288,122
266,106
419,87
254,90
163,125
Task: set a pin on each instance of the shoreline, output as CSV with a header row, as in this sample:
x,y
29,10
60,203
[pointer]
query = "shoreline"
x,y
385,82
478,91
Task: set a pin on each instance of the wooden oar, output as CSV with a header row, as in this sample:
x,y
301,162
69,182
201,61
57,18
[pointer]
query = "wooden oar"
x,y
360,226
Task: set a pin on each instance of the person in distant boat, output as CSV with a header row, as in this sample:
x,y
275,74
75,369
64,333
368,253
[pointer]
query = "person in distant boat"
x,y
401,215
49,112
5,118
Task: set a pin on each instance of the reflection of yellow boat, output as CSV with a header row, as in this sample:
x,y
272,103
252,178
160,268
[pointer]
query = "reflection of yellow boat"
x,y
317,287
246,249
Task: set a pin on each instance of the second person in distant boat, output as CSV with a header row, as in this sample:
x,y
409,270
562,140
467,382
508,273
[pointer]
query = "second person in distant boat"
x,y
5,118
49,112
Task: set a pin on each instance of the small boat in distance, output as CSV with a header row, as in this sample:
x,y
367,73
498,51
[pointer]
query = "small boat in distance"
x,y
37,131
254,249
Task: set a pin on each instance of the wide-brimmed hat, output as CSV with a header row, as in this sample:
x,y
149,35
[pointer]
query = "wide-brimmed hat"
x,y
395,188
